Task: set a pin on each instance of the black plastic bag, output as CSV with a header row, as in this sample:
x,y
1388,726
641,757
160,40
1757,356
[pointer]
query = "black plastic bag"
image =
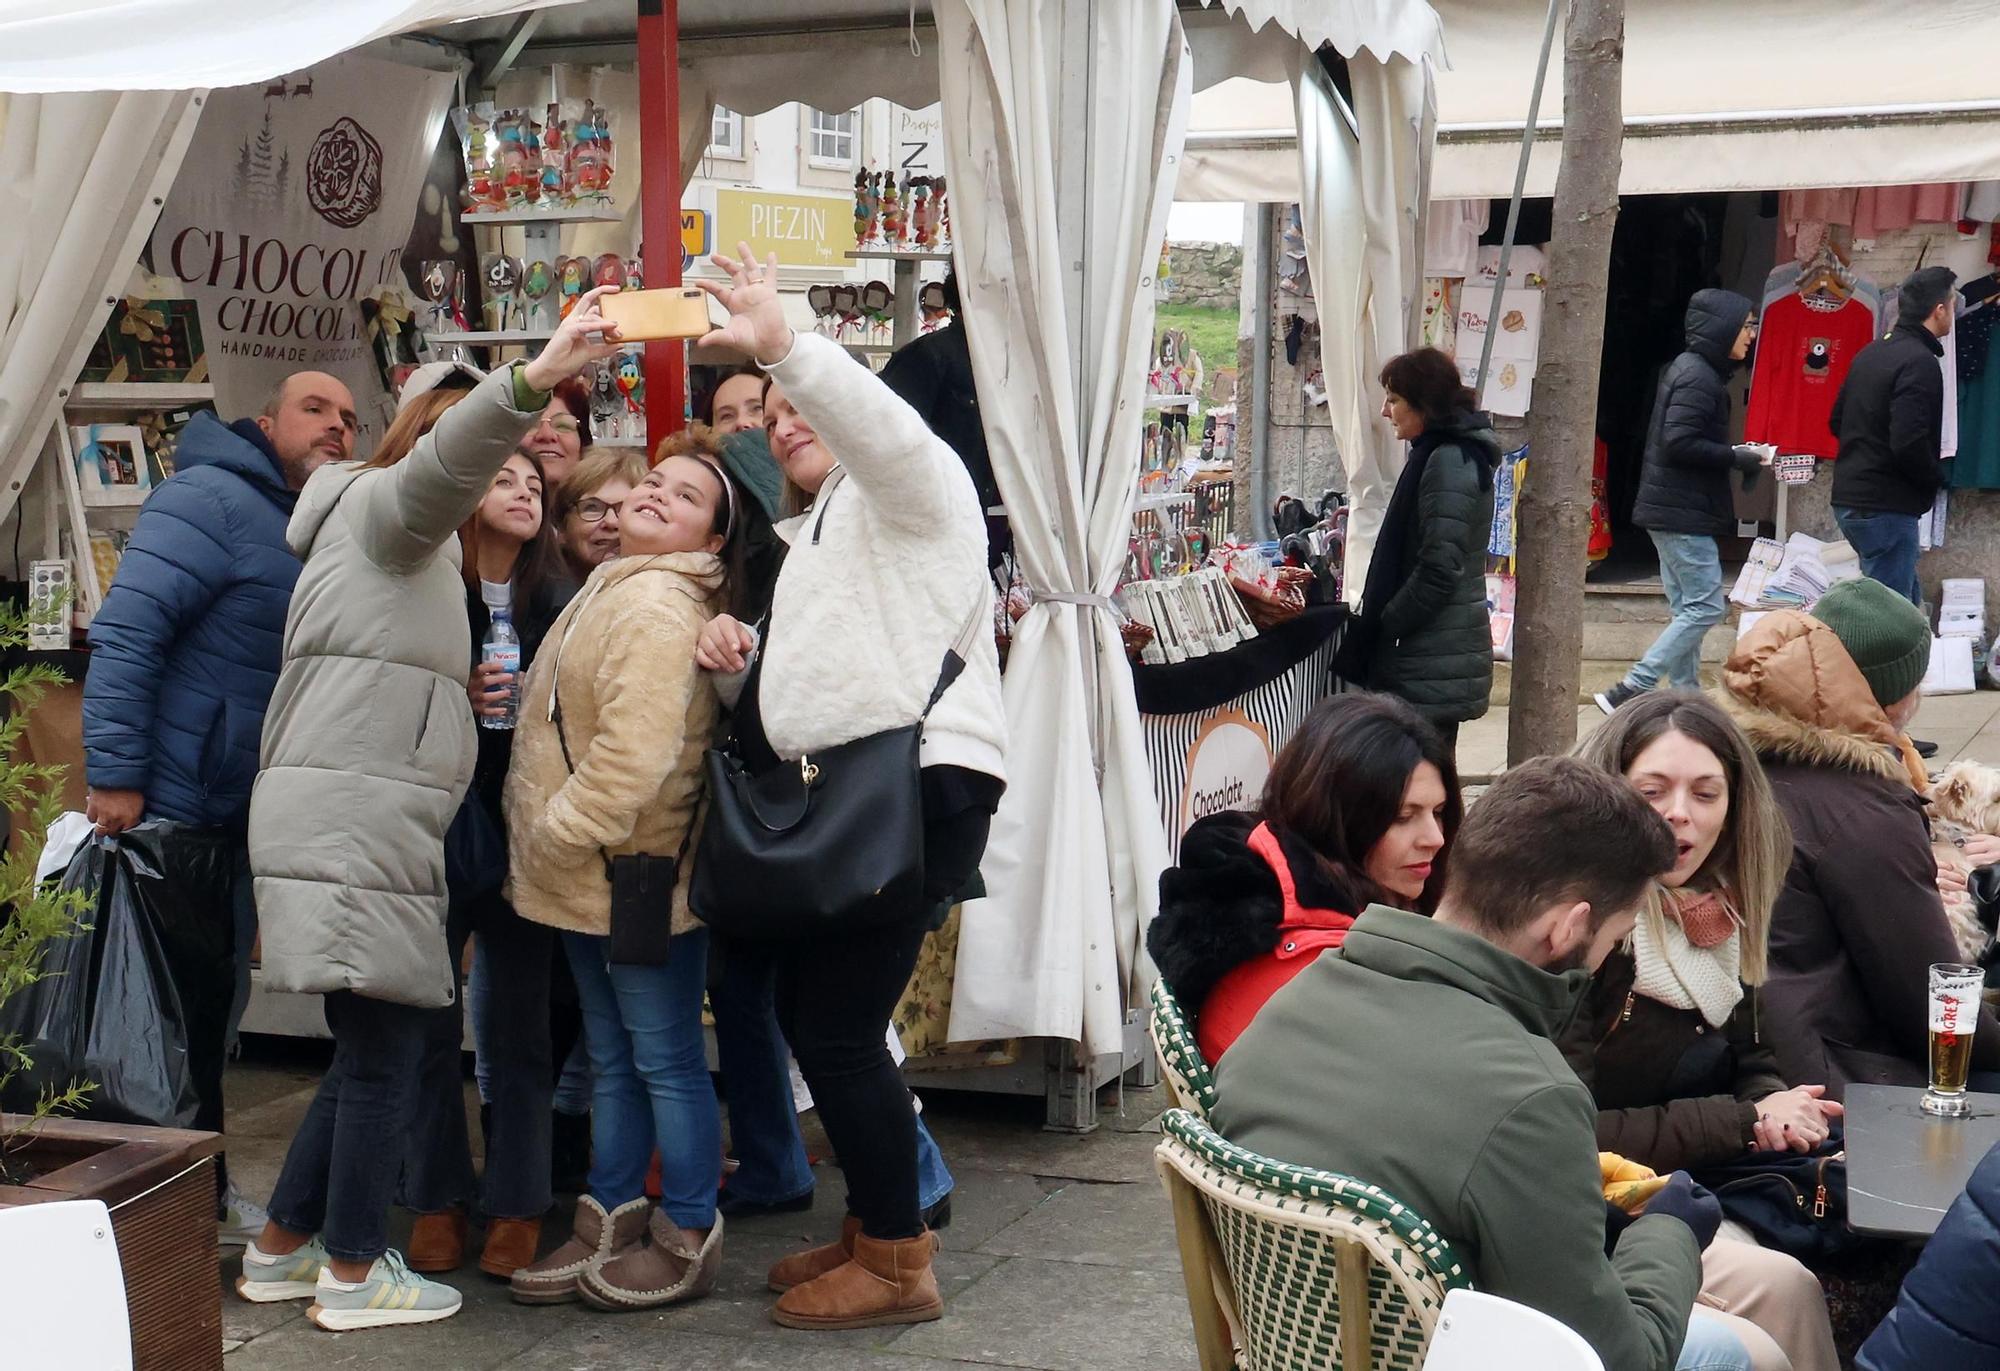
x,y
137,1002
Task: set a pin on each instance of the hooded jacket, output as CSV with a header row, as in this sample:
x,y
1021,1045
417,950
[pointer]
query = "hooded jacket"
x,y
1858,923
1889,418
1684,481
186,647
369,745
1420,1058
1423,615
1948,1314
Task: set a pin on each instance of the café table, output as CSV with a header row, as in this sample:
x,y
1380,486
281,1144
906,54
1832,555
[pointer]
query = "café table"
x,y
1905,1167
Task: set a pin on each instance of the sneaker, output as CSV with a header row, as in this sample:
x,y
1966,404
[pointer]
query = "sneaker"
x,y
1609,700
391,1294
240,1221
269,1280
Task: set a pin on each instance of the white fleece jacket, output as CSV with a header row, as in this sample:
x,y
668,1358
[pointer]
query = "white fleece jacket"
x,y
864,613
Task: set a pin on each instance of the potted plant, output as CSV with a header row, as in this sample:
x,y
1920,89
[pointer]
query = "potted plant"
x,y
159,1183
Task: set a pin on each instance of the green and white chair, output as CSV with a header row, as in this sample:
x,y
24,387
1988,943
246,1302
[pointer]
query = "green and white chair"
x,y
1292,1269
1187,1071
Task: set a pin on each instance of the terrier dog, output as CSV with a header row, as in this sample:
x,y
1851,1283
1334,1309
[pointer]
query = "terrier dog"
x,y
1965,799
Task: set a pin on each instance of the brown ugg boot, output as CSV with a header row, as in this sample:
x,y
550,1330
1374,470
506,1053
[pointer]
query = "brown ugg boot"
x,y
510,1245
815,1262
664,1271
887,1282
437,1242
596,1237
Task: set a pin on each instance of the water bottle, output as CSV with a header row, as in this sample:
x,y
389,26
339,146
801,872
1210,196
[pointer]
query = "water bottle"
x,y
502,646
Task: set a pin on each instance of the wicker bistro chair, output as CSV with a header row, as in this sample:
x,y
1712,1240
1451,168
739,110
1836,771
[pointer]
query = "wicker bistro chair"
x,y
1291,1269
1187,1071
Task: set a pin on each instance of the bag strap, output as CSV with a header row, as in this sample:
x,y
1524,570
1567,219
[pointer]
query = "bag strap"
x,y
957,654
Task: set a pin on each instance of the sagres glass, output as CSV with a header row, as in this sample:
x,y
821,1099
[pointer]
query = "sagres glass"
x,y
1954,1019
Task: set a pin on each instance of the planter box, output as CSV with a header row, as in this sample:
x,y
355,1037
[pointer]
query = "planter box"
x,y
159,1184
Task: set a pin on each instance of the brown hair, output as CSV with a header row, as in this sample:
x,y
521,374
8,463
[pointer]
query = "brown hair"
x,y
1754,853
1556,830
598,468
575,398
412,422
696,440
536,561
1428,381
1339,783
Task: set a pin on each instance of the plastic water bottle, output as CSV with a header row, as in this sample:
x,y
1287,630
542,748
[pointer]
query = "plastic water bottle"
x,y
502,647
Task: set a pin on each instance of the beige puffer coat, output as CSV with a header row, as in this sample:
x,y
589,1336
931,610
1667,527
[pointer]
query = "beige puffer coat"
x,y
637,713
369,742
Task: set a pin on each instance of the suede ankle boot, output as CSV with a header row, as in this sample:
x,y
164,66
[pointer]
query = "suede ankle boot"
x,y
815,1262
510,1245
666,1270
885,1283
437,1242
596,1236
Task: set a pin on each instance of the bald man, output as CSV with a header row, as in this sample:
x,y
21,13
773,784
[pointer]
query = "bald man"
x,y
184,655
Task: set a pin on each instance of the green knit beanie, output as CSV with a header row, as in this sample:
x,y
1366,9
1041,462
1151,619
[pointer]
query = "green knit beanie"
x,y
1888,637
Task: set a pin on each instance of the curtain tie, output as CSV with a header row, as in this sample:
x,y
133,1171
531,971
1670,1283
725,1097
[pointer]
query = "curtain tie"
x,y
1064,597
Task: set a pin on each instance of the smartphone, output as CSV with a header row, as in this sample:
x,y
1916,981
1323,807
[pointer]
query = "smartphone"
x,y
644,315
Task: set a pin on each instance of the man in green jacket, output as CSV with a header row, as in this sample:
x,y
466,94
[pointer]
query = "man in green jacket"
x,y
1420,1057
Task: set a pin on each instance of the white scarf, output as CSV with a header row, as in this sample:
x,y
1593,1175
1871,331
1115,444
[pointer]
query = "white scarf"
x,y
1670,969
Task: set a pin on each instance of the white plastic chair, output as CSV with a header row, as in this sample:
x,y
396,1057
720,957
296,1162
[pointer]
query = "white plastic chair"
x,y
1478,1332
62,1292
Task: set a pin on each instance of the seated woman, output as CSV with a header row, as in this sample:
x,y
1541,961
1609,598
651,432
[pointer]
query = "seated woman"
x,y
1668,1039
1360,809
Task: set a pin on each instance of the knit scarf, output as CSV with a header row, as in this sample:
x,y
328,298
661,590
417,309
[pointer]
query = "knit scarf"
x,y
1688,954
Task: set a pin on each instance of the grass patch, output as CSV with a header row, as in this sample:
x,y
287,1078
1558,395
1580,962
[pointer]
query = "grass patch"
x,y
1211,332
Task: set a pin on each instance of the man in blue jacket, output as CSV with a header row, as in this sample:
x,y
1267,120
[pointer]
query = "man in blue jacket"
x,y
185,652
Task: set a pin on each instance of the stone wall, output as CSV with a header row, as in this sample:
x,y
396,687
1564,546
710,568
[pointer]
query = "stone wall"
x,y
1208,275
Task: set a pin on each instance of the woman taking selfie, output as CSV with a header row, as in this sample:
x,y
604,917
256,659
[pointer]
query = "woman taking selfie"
x,y
1360,808
368,749
601,800
886,576
1668,1038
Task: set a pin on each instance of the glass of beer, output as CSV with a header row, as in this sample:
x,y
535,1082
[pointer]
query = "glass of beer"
x,y
1954,1019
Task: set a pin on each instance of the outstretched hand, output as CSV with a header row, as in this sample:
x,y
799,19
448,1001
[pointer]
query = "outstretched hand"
x,y
756,317
586,336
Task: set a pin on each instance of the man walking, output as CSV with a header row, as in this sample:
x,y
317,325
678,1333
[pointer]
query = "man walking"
x,y
1889,418
1419,1058
1685,501
185,653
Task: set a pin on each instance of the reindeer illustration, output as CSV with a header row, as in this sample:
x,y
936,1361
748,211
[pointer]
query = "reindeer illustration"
x,y
304,88
276,90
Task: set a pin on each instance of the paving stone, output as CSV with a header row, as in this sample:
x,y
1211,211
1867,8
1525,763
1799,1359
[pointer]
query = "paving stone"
x,y
986,1202
1063,1316
622,1344
242,1320
489,1330
1027,1149
1127,1226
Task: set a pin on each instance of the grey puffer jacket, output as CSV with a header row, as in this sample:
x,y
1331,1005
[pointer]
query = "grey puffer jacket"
x,y
1684,484
369,743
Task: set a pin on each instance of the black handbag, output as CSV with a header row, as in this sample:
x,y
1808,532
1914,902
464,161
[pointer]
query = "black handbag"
x,y
829,840
1793,1202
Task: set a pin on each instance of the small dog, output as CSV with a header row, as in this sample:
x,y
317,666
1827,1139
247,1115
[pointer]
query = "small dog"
x,y
1965,799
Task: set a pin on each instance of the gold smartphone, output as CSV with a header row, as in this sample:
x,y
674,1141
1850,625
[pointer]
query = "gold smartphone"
x,y
644,315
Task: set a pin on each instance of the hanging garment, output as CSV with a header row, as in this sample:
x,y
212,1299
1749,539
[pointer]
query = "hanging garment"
x,y
1948,428
1440,326
1451,236
1804,349
1885,209
1977,466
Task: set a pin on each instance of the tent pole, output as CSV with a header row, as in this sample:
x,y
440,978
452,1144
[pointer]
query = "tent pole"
x,y
1514,205
660,202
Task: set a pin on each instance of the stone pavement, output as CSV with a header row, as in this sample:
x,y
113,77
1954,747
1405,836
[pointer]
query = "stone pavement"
x,y
1060,1257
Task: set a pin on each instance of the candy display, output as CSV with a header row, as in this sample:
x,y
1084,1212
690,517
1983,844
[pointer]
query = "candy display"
x,y
513,162
501,275
913,216
617,392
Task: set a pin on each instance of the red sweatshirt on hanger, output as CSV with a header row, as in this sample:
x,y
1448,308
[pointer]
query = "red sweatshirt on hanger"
x,y
1803,354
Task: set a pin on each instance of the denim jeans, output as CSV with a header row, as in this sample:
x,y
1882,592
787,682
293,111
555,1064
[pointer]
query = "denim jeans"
x,y
763,1124
643,1025
1691,572
573,1085
1887,546
1710,1346
511,972
339,1177
572,1095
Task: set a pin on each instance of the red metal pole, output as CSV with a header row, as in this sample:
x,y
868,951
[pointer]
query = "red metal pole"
x,y
660,201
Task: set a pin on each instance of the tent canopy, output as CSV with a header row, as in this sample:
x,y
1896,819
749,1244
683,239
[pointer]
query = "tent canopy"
x,y
1869,100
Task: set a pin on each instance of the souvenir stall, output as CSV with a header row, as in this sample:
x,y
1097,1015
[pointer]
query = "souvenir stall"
x,y
1056,952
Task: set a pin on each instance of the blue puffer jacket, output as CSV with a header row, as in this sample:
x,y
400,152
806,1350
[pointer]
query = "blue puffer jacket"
x,y
1949,1312
185,651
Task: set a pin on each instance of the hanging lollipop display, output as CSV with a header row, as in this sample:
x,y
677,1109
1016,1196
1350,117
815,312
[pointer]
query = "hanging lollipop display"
x,y
608,270
820,297
501,276
536,283
572,280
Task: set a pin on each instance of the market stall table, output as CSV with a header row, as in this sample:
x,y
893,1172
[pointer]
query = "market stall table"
x,y
1904,1168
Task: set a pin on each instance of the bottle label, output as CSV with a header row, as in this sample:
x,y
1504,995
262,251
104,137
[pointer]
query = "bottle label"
x,y
506,656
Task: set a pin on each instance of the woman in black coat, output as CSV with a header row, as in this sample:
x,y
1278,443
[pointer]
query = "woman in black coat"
x,y
1424,633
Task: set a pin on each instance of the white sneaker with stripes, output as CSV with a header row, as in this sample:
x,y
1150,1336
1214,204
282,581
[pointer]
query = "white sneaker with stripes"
x,y
391,1294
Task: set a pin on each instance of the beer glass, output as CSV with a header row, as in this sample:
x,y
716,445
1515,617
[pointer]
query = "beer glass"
x,y
1954,1019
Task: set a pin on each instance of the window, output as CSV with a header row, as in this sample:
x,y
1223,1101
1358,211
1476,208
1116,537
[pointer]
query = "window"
x,y
725,137
831,138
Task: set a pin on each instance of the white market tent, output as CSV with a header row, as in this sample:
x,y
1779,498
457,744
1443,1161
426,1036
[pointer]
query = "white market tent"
x,y
1064,123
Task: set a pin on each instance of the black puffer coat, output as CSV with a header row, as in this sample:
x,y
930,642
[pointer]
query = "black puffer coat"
x,y
1428,637
1684,486
1889,418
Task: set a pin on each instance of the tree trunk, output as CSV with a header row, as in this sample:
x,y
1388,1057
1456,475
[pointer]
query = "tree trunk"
x,y
1554,509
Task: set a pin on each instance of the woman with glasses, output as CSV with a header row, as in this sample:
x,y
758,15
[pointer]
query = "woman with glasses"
x,y
585,510
559,438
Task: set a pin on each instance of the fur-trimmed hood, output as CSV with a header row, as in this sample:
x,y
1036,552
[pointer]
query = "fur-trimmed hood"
x,y
1799,698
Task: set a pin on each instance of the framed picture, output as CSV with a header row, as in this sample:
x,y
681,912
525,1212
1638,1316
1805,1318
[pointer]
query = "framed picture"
x,y
111,467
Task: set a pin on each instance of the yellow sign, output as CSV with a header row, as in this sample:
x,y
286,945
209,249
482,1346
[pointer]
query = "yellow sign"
x,y
694,233
804,230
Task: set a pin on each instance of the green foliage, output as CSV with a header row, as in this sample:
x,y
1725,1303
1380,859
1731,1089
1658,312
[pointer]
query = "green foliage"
x,y
30,917
1210,332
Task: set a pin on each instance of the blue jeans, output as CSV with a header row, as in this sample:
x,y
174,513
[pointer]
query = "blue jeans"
x,y
572,1085
1887,546
1691,572
1710,1346
643,1025
763,1125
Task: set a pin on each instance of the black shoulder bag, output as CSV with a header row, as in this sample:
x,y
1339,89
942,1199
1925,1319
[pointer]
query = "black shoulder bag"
x,y
806,847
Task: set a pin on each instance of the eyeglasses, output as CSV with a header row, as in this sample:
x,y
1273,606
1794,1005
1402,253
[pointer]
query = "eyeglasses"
x,y
564,423
592,510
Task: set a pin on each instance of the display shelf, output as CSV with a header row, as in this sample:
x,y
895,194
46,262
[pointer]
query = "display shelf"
x,y
139,394
494,337
897,255
578,215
